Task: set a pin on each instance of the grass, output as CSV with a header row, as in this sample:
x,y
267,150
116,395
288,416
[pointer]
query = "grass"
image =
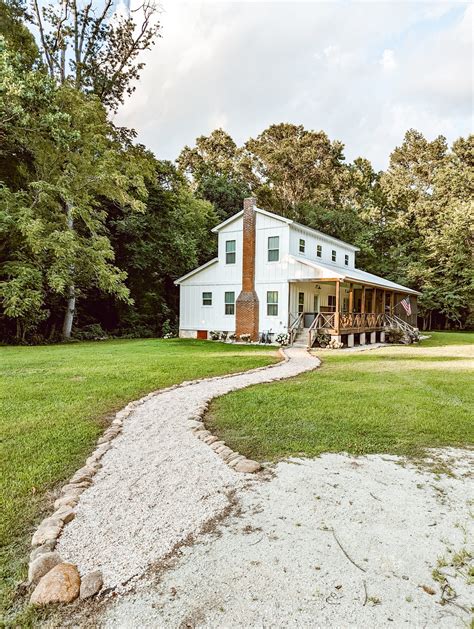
x,y
397,400
55,401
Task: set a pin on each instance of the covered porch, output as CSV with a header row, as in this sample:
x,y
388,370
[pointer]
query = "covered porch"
x,y
350,311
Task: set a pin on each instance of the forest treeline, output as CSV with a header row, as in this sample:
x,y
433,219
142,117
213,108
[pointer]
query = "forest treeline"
x,y
94,229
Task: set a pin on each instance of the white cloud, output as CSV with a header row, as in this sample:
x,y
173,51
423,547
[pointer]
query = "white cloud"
x,y
363,72
388,60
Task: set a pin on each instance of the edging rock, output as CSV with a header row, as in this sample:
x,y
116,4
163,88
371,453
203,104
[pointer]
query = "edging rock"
x,y
91,584
60,585
41,566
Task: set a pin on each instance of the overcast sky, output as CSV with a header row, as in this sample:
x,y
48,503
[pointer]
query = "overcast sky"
x,y
364,72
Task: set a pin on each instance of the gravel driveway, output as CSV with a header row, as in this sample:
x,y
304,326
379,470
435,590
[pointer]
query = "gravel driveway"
x,y
159,484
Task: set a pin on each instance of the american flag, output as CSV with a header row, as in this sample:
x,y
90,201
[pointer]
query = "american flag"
x,y
406,304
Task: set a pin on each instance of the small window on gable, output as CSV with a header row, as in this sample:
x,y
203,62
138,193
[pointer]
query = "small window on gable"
x,y
230,251
319,251
273,248
333,255
272,303
229,299
346,259
207,299
302,245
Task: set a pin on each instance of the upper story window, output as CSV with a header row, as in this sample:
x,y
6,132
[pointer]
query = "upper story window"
x,y
273,248
272,303
346,259
333,255
319,251
207,299
229,300
302,245
230,251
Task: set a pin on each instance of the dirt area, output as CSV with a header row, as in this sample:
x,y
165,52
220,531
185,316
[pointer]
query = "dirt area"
x,y
369,541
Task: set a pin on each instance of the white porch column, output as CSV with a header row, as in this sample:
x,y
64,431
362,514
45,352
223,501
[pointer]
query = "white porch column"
x,y
350,340
382,337
362,338
373,337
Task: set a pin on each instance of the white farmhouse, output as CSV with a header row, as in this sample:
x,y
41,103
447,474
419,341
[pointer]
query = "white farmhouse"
x,y
274,275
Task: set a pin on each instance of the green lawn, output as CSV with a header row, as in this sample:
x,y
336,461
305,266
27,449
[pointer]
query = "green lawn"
x,y
396,399
54,403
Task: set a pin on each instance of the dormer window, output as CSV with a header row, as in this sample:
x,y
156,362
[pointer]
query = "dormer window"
x,y
302,245
319,251
230,251
273,248
346,259
333,255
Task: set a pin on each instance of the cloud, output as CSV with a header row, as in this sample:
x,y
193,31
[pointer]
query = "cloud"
x,y
362,72
388,60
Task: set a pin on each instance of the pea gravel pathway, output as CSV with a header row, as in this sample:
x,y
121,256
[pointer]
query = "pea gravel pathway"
x,y
159,484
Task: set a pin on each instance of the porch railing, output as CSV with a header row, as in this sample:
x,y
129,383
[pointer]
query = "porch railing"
x,y
296,324
356,321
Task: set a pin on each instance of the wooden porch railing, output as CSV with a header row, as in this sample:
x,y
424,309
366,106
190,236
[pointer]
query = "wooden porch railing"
x,y
296,324
348,321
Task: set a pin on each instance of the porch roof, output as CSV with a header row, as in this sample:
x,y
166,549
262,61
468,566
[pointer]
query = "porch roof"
x,y
311,271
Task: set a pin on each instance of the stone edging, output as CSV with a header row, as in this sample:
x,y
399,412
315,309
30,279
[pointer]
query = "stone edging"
x,y
46,535
234,459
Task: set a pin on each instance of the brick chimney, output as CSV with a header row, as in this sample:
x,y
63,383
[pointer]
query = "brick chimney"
x,y
247,306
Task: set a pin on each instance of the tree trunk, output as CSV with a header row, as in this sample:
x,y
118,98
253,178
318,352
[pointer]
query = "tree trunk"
x,y
71,299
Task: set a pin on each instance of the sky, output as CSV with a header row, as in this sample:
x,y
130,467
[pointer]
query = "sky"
x,y
363,72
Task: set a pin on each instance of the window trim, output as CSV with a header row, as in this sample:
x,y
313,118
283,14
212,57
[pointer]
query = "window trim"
x,y
272,303
277,249
229,303
234,252
333,255
203,299
319,251
302,245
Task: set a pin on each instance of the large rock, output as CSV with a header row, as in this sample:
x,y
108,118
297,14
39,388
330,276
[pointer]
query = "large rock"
x,y
91,584
248,466
45,534
41,566
60,585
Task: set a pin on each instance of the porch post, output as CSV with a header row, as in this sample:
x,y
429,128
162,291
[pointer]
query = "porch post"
x,y
362,302
351,298
392,302
374,299
336,318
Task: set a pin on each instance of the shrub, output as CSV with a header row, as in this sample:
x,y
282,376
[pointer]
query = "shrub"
x,y
92,332
231,337
394,335
283,338
335,344
245,338
215,336
322,339
223,336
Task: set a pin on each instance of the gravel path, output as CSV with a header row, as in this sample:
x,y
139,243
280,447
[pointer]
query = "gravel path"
x,y
159,484
288,558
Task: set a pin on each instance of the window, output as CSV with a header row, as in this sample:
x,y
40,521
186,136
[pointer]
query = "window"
x,y
346,259
302,245
300,303
272,303
230,251
319,251
333,255
229,299
207,299
332,302
273,248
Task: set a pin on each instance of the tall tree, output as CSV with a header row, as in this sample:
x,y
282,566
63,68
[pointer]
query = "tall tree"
x,y
55,217
289,166
97,50
213,168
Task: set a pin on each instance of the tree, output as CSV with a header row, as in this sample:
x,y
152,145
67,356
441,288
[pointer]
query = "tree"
x,y
55,217
289,167
213,168
15,33
97,51
158,246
